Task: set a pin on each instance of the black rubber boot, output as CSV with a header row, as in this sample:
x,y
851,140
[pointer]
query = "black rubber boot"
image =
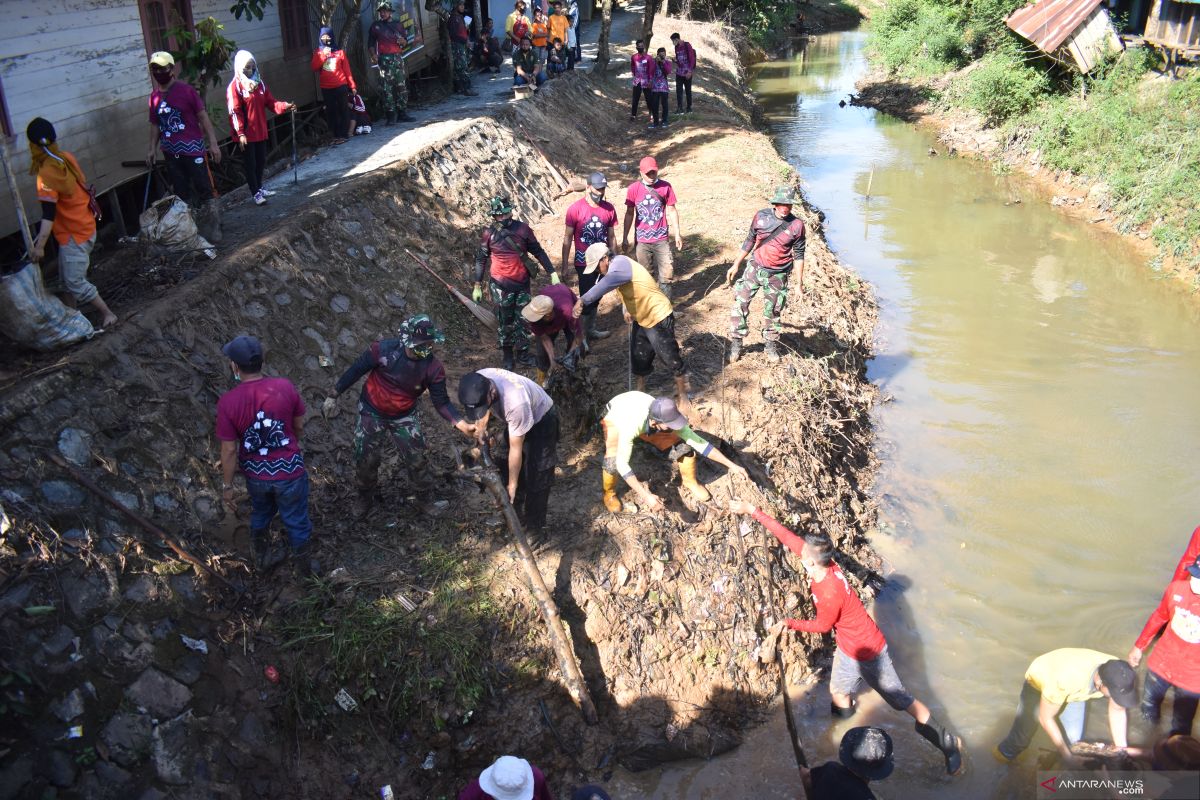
x,y
508,358
735,350
838,711
391,118
771,351
943,739
306,565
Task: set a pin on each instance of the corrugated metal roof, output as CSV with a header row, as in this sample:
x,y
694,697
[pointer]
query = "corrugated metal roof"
x,y
1051,22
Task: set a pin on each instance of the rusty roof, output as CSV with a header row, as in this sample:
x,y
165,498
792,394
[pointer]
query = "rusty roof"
x,y
1051,22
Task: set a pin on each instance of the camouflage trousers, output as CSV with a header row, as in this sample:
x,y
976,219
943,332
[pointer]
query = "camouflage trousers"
x,y
371,434
774,286
510,329
393,83
462,66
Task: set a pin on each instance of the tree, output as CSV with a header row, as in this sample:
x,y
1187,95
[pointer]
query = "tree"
x,y
648,22
203,53
251,8
605,29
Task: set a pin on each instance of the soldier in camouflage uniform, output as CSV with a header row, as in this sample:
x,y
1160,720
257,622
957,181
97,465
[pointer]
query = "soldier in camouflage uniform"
x,y
502,251
399,371
386,41
460,49
775,245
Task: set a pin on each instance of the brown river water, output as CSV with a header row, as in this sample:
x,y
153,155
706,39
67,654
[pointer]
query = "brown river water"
x,y
1037,481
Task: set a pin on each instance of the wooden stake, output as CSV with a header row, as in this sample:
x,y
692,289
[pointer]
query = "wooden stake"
x,y
870,180
15,191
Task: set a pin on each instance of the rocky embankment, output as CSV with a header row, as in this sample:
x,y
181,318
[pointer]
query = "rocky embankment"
x,y
127,672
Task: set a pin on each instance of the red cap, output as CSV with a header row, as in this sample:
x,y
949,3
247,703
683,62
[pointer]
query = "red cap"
x,y
647,164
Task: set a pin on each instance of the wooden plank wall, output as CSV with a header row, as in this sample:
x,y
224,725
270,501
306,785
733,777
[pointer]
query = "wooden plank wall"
x,y
82,65
1174,24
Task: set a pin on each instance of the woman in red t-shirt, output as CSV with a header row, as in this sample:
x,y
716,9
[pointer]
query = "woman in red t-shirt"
x,y
246,99
337,84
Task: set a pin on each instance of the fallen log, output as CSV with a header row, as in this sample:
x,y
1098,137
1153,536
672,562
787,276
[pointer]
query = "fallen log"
x,y
137,518
490,478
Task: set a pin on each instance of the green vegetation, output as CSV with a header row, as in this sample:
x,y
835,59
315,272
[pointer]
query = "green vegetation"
x,y
1121,125
395,662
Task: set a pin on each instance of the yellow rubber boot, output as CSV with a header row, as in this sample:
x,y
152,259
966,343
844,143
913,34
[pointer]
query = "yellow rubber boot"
x,y
687,471
540,377
611,501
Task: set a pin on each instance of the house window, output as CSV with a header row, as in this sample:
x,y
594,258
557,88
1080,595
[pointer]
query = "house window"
x,y
160,16
293,21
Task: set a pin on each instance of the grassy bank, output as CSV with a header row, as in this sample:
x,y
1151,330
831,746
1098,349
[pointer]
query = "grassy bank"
x,y
1124,126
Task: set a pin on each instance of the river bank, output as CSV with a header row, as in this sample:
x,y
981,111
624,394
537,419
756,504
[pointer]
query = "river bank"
x,y
1112,148
669,615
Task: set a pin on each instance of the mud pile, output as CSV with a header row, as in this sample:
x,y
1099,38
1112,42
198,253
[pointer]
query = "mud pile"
x,y
669,614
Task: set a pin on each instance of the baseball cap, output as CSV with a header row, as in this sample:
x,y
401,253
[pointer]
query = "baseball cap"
x,y
1194,569
244,351
597,180
664,411
473,394
162,59
1121,682
538,307
647,164
867,752
592,257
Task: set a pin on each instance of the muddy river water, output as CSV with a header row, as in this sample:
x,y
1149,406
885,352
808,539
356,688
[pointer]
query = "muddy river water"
x,y
1038,473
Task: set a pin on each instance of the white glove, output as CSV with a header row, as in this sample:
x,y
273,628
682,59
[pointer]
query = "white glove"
x,y
329,406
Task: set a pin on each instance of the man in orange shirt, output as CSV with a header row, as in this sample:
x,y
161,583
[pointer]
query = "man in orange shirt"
x,y
67,211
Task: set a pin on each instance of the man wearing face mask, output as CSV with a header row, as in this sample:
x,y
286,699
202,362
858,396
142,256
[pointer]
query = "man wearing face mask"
x,y
259,423
639,64
502,251
590,220
399,371
652,201
862,655
179,125
386,40
1175,662
775,245
634,416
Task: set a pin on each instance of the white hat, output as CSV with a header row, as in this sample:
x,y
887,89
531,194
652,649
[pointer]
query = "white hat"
x,y
510,778
592,257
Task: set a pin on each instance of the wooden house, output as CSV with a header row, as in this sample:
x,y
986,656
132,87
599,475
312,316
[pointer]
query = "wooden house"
x,y
82,64
1077,32
1174,28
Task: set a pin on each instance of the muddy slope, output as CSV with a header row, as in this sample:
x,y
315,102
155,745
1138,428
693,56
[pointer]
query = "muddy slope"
x,y
668,614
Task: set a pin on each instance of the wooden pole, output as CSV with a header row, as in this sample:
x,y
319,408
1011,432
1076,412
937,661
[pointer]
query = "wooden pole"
x,y
870,180
15,191
489,476
144,523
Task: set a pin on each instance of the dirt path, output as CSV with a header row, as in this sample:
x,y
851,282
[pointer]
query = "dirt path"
x,y
669,614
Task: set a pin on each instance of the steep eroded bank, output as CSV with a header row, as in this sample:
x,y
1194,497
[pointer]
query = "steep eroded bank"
x,y
668,616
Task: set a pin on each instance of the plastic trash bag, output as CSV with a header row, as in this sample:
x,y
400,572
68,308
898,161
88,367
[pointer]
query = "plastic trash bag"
x,y
31,316
169,224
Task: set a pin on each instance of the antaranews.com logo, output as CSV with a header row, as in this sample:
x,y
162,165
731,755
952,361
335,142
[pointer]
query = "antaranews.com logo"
x,y
1102,785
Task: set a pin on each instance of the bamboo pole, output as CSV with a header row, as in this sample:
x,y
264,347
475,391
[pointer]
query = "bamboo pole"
x,y
489,476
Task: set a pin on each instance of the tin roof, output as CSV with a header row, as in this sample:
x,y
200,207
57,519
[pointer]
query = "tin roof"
x,y
1049,23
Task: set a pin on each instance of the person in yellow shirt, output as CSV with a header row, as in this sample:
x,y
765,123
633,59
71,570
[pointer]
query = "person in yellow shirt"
x,y
1058,686
516,26
646,307
559,22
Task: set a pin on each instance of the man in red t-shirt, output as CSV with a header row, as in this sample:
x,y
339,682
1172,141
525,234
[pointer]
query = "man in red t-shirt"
x,y
590,220
259,423
549,313
862,655
1175,662
651,200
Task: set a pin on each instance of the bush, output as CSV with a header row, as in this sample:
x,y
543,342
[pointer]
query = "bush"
x,y
1002,87
928,37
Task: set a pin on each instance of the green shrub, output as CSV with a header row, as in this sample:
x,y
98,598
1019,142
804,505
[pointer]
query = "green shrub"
x,y
1002,87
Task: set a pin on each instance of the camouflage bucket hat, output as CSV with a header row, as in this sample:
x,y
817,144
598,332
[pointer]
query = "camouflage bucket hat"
x,y
785,195
419,331
499,205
